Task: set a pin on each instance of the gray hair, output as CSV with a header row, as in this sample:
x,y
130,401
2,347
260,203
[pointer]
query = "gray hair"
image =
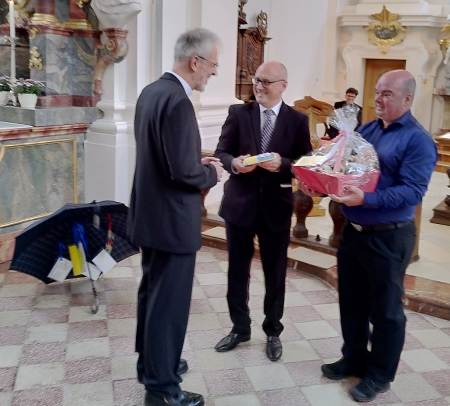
x,y
195,42
410,85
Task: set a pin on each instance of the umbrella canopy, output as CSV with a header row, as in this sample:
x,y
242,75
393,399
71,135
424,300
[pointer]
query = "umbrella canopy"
x,y
37,246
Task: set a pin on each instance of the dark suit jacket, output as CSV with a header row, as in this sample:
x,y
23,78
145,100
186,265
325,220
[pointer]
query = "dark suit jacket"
x,y
245,192
333,132
165,206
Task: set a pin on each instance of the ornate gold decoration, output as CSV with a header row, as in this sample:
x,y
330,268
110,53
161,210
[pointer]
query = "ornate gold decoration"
x,y
242,15
78,24
33,32
444,42
386,30
261,23
45,19
35,61
424,81
19,4
73,141
81,3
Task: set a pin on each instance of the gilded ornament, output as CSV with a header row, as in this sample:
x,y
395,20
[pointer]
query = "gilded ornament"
x,y
386,31
261,23
35,60
33,32
81,3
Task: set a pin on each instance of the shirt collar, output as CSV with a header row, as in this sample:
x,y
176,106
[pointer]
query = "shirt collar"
x,y
275,109
185,85
401,121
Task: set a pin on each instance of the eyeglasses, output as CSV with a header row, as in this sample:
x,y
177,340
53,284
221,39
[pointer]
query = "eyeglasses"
x,y
216,65
265,83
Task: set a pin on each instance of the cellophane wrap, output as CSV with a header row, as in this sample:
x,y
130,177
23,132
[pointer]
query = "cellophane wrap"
x,y
348,159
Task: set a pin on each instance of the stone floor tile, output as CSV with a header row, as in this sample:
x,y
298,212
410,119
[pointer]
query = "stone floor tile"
x,y
14,318
194,382
207,267
218,304
443,354
211,279
120,284
228,382
47,333
128,392
16,303
432,402
249,399
199,306
321,297
268,377
411,342
7,379
327,395
416,321
51,301
86,299
121,311
439,380
40,353
88,370
200,322
18,289
48,396
432,338
328,311
295,351
6,398
327,347
191,359
124,367
12,335
47,316
87,329
198,293
423,360
121,297
205,256
19,277
316,329
308,284
413,388
205,339
38,375
83,285
210,360
91,393
89,348
121,327
55,288
120,272
285,397
215,290
307,373
256,288
300,314
293,299
84,313
119,346
252,355
290,332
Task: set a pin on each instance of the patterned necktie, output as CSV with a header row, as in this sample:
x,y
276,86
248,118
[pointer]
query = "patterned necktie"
x,y
267,130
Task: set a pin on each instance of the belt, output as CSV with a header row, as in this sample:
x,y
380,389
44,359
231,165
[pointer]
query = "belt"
x,y
380,227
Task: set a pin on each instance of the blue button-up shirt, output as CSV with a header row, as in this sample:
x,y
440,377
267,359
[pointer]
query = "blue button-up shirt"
x,y
407,156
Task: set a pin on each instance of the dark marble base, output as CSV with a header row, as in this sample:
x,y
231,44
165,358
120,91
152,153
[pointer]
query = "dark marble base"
x,y
49,116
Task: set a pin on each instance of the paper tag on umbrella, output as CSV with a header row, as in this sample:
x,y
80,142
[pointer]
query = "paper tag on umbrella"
x,y
104,261
77,260
95,272
60,270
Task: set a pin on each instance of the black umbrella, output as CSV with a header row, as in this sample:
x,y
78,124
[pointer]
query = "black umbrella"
x,y
104,223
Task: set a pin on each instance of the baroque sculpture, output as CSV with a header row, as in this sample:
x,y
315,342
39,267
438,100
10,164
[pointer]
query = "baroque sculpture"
x,y
116,13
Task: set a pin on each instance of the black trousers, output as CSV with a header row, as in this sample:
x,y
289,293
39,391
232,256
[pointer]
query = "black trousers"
x,y
164,299
371,270
273,248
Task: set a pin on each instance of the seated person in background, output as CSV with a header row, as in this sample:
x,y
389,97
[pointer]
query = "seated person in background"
x,y
350,96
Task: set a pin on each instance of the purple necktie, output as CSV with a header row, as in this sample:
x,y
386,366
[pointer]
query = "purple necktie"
x,y
267,130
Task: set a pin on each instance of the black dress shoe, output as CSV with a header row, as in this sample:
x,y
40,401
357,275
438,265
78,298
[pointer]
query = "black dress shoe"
x,y
185,399
231,341
368,389
339,370
274,349
182,369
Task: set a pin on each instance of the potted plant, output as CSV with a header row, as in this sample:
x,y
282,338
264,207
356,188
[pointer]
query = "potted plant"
x,y
28,90
5,87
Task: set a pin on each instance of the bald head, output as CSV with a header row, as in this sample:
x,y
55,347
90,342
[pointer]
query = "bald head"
x,y
394,95
272,82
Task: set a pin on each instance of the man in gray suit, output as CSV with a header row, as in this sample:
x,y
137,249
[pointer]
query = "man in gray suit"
x,y
165,213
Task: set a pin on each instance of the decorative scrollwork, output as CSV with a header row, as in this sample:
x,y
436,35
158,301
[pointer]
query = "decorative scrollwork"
x,y
35,60
261,23
386,31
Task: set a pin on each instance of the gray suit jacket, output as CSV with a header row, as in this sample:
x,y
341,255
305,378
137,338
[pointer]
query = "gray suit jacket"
x,y
165,209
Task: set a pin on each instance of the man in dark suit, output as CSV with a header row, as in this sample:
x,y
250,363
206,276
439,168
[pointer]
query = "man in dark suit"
x,y
165,213
350,96
258,200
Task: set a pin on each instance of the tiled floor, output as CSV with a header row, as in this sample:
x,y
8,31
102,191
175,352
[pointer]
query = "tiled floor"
x,y
54,351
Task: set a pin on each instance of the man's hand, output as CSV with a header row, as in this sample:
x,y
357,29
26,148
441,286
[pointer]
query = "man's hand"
x,y
219,168
237,164
354,198
307,191
272,165
209,159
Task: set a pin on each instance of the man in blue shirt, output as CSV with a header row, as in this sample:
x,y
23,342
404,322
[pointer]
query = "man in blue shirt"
x,y
378,240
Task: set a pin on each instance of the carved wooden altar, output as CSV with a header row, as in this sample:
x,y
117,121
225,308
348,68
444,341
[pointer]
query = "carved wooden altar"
x,y
250,54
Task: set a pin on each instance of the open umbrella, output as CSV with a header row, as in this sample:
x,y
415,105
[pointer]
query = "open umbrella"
x,y
104,224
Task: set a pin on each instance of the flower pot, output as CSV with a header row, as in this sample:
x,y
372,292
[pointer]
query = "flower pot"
x,y
4,98
27,101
